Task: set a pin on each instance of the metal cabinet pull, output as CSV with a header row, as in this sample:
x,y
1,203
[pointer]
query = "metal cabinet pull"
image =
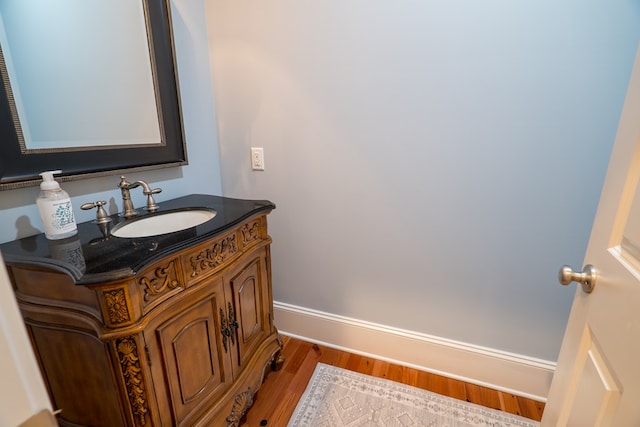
x,y
225,331
233,325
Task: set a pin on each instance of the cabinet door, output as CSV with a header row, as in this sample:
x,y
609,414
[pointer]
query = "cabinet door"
x,y
249,305
79,373
188,355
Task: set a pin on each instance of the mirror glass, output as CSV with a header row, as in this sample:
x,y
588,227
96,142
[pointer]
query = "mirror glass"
x,y
59,109
89,87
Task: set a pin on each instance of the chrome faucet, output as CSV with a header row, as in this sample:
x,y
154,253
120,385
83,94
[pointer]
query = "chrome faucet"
x,y
127,205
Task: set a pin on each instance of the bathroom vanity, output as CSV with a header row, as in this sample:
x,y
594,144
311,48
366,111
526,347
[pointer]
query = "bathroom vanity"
x,y
170,329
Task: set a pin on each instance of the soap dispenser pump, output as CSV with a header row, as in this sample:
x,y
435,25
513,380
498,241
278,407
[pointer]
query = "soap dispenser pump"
x,y
55,209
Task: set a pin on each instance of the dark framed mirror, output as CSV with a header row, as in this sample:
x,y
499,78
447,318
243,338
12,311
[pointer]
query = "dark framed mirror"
x,y
21,156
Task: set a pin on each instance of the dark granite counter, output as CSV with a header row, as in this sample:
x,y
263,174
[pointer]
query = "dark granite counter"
x,y
94,256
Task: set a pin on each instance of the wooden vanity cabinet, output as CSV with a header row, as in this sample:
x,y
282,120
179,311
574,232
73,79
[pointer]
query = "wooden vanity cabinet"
x,y
184,342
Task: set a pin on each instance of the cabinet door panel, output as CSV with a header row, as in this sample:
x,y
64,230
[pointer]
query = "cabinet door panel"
x,y
87,393
251,307
192,357
195,366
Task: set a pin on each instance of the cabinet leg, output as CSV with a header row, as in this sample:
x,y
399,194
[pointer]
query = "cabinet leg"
x,y
241,404
277,361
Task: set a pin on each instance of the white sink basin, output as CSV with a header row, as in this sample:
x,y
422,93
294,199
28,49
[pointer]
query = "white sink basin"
x,y
162,223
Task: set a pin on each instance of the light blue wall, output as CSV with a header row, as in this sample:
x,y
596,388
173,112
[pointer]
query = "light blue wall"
x,y
18,214
433,162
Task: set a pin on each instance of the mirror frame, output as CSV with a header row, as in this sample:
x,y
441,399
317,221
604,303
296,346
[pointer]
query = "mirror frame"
x,y
18,169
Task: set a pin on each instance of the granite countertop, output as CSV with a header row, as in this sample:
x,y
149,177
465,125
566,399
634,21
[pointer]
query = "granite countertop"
x,y
91,257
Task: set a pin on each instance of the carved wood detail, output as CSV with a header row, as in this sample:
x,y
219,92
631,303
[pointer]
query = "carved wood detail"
x,y
241,404
250,232
116,305
132,373
163,279
214,256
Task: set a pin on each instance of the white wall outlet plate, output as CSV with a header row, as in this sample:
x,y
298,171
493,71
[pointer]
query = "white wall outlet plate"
x,y
257,158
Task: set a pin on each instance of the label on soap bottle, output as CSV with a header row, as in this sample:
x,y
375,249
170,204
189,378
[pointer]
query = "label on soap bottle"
x,y
57,217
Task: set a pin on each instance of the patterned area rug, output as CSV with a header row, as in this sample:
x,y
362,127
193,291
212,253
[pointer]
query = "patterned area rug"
x,y
337,397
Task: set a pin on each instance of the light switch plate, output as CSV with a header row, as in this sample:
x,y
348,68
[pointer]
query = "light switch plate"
x,y
257,158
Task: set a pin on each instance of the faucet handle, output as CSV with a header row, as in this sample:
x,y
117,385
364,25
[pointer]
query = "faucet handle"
x,y
101,214
151,203
154,191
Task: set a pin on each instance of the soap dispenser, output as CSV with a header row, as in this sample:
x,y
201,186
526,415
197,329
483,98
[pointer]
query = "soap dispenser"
x,y
55,209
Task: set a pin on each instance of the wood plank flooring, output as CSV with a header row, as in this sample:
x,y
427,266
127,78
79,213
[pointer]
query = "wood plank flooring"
x,y
276,400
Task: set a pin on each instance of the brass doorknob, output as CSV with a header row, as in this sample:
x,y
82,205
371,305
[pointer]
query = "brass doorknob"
x,y
587,277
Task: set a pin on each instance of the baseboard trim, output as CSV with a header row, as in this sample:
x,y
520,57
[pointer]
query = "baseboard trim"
x,y
512,373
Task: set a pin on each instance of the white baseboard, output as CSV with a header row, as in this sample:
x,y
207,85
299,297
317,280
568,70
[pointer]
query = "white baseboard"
x,y
508,372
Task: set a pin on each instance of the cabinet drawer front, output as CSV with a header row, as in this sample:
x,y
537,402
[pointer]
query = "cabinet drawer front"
x,y
192,358
210,257
220,252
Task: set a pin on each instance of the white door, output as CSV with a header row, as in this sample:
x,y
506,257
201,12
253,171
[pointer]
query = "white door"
x,y
22,390
597,381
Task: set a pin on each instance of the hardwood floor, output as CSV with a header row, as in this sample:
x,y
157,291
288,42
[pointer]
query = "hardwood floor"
x,y
276,400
